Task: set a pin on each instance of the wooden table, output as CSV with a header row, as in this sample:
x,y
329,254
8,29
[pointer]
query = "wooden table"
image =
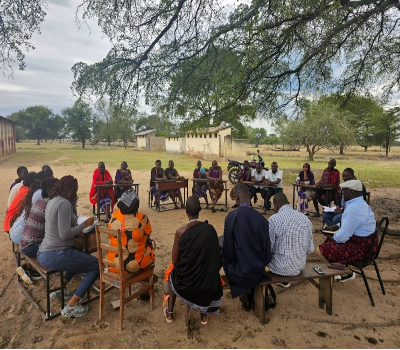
x,y
135,186
327,189
167,186
225,182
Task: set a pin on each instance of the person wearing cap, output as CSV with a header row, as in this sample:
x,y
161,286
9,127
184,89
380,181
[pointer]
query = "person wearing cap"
x,y
354,234
330,176
135,234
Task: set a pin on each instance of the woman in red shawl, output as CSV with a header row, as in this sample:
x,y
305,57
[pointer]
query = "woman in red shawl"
x,y
102,177
330,179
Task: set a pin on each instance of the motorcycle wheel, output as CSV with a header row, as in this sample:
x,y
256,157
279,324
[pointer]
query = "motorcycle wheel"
x,y
233,175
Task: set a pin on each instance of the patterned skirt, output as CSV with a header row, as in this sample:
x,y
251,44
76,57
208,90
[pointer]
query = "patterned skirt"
x,y
200,191
159,195
216,189
356,249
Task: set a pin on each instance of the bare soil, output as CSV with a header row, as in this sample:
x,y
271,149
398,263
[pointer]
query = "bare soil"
x,y
296,322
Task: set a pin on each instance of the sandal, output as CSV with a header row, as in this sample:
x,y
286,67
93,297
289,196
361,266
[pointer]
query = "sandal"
x,y
201,319
207,206
213,210
168,312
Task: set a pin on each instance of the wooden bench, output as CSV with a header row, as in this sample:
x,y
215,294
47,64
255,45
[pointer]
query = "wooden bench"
x,y
324,286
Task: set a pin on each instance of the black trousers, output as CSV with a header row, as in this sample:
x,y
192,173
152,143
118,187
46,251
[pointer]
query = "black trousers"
x,y
272,191
255,190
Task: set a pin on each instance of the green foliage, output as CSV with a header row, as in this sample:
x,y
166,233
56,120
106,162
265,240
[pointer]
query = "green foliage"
x,y
163,126
79,119
387,128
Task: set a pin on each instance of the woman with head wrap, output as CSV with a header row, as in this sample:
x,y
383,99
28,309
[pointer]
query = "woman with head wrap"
x,y
305,177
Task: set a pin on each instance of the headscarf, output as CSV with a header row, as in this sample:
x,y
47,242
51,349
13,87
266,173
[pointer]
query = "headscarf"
x,y
310,175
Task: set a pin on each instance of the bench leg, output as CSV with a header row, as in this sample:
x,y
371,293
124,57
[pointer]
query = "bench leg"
x,y
259,302
325,294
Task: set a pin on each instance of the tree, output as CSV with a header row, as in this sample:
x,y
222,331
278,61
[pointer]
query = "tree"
x,y
79,119
322,125
105,113
163,126
36,122
256,135
57,126
285,47
19,20
20,133
123,120
387,128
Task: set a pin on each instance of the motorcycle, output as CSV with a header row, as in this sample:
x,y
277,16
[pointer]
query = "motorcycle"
x,y
234,167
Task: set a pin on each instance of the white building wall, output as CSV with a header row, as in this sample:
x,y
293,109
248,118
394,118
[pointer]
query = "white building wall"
x,y
175,145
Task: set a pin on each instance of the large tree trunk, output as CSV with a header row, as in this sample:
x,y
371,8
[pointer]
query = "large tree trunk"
x,y
83,143
38,142
365,148
387,148
341,149
109,141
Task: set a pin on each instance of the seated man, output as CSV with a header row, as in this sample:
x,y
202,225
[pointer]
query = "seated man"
x,y
193,275
101,176
352,241
172,174
243,175
158,174
333,218
273,180
291,239
246,249
330,179
258,179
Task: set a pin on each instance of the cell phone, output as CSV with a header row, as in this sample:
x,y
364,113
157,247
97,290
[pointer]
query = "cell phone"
x,y
336,266
318,270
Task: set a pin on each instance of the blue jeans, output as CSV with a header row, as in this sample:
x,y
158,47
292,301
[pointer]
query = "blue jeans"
x,y
331,219
72,261
31,250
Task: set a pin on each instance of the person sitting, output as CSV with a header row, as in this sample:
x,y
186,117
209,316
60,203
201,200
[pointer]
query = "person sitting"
x,y
352,241
333,218
291,238
135,234
21,172
305,177
257,178
243,175
246,248
330,178
172,174
158,174
33,233
193,275
123,176
215,186
56,251
29,179
101,176
200,189
48,170
273,180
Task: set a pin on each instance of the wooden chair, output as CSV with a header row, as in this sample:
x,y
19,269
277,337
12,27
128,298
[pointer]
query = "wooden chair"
x,y
122,279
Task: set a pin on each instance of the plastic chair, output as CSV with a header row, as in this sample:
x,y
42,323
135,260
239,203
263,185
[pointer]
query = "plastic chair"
x,y
360,265
122,279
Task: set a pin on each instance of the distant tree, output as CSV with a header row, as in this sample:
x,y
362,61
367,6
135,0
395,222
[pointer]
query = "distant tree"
x,y
123,120
163,126
105,127
20,133
387,128
256,135
57,127
323,125
79,120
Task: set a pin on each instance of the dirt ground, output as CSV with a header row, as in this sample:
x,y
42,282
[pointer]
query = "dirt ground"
x,y
296,322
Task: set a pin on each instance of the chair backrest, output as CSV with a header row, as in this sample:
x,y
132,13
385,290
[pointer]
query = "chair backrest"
x,y
104,248
379,225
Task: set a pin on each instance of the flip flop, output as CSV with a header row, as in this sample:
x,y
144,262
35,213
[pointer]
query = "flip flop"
x,y
165,315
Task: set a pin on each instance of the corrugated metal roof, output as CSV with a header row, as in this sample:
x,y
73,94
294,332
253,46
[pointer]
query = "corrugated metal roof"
x,y
145,132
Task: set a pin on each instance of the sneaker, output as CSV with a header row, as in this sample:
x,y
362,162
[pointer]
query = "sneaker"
x,y
24,275
57,294
34,275
337,278
77,310
348,277
284,284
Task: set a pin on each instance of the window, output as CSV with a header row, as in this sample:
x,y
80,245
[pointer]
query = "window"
x,y
201,136
210,136
216,135
169,139
196,136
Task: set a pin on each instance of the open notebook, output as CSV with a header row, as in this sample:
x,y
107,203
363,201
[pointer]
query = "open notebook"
x,y
82,219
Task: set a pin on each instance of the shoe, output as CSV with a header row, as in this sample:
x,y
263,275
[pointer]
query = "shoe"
x,y
245,301
348,278
207,206
77,310
170,313
234,206
34,275
284,284
57,294
24,275
213,210
337,278
204,322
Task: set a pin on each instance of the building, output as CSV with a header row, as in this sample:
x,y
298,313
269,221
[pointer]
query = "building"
x,y
7,136
143,139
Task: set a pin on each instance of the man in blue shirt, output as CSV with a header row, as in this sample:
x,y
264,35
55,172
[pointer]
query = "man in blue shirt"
x,y
354,235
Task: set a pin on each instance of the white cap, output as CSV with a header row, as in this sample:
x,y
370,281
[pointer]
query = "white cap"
x,y
355,185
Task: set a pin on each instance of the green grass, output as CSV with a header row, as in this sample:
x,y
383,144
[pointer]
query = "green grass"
x,y
370,167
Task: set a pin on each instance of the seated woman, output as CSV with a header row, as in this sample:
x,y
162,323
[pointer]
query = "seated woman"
x,y
216,186
200,189
21,172
123,176
305,177
157,174
244,175
33,231
330,178
135,234
193,275
172,174
56,251
102,177
355,234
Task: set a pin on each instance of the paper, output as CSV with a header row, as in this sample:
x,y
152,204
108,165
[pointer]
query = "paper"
x,y
329,209
82,219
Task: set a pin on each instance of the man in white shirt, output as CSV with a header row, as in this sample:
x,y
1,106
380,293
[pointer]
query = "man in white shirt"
x,y
258,176
291,239
273,180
